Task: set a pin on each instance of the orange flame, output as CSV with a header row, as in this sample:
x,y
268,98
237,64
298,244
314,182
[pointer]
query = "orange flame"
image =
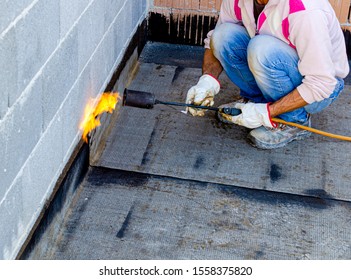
x,y
106,103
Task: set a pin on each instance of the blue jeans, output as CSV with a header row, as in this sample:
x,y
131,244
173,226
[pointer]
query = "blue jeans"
x,y
264,68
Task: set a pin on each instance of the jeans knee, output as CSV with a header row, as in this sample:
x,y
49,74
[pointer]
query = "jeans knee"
x,y
266,51
259,51
226,37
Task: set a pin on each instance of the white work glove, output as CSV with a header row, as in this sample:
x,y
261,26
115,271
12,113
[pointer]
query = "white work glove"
x,y
202,94
252,115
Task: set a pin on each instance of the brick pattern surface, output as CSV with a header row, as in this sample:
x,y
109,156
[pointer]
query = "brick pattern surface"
x,y
188,6
341,7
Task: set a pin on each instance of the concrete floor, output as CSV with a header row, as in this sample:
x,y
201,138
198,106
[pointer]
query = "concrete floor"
x,y
170,186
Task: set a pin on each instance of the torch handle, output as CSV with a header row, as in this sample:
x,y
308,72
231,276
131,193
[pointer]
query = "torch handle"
x,y
231,111
228,111
187,105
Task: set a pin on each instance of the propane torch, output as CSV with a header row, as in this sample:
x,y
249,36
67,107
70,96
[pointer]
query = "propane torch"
x,y
147,100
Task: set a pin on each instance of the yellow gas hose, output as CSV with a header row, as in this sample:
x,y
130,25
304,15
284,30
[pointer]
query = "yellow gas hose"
x,y
327,134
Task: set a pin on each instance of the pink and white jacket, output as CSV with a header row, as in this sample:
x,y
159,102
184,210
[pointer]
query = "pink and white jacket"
x,y
309,26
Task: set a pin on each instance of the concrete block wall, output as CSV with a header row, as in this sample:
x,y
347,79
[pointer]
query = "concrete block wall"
x,y
54,56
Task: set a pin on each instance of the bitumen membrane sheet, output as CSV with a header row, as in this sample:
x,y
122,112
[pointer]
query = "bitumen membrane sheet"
x,y
164,141
172,186
124,215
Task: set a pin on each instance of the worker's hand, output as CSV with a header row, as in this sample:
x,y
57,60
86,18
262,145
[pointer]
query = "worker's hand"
x,y
202,94
253,115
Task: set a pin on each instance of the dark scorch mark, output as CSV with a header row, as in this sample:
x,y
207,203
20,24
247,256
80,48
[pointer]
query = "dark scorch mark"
x,y
275,173
121,232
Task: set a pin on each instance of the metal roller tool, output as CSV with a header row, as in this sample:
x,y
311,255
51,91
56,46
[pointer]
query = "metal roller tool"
x,y
147,100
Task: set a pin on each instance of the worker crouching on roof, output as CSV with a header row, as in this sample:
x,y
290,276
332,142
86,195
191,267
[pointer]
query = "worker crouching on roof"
x,y
288,57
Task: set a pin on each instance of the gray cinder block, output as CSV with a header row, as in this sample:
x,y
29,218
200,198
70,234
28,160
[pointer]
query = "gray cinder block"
x,y
37,36
90,32
8,69
112,8
10,10
19,133
27,196
70,11
59,76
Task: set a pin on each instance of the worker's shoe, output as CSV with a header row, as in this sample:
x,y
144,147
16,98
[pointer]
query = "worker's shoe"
x,y
272,138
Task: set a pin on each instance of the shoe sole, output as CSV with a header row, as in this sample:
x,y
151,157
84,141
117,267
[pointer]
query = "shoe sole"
x,y
264,146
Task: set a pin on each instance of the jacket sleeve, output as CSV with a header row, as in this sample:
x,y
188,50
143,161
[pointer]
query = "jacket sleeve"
x,y
226,14
310,34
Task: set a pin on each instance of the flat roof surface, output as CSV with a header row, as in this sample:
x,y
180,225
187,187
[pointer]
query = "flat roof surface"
x,y
171,186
